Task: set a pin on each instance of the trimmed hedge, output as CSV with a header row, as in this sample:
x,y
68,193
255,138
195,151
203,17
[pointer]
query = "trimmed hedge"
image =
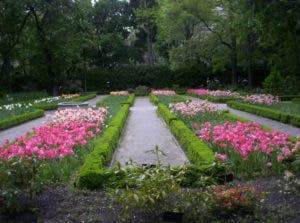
x,y
92,173
166,114
83,98
266,112
153,99
289,97
197,151
296,101
46,106
18,119
211,98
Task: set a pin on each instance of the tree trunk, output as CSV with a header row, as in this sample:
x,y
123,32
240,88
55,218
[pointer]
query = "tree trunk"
x,y
250,60
233,59
150,52
5,74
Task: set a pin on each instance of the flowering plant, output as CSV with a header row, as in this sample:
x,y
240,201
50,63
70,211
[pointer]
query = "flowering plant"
x,y
119,93
224,199
162,92
217,93
246,147
266,99
59,137
193,108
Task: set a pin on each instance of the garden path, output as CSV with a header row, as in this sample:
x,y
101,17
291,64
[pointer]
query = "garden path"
x,y
284,128
143,131
22,129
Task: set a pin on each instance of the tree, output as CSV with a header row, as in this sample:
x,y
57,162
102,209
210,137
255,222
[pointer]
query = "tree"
x,y
13,19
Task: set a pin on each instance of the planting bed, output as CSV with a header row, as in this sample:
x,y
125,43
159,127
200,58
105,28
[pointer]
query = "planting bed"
x,y
76,146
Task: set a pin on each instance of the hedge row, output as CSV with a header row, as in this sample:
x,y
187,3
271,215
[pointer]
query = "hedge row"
x,y
289,97
212,98
266,112
46,106
83,98
18,119
92,173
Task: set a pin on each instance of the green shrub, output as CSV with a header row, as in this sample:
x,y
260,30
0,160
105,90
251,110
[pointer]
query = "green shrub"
x,y
295,120
142,90
46,106
92,172
296,100
197,151
18,119
83,98
165,113
265,112
153,99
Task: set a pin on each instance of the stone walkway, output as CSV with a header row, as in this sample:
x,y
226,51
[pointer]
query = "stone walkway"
x,y
22,129
143,131
294,131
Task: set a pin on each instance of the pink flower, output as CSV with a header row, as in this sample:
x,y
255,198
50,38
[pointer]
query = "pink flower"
x,y
221,157
195,125
268,164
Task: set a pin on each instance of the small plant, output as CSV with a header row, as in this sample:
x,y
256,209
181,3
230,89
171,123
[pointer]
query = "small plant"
x,y
239,199
19,177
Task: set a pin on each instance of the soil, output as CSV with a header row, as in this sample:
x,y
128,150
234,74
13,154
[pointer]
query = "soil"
x,y
66,204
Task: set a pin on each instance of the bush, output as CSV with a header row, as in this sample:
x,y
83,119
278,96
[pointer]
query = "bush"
x,y
18,119
165,113
197,151
265,112
83,98
92,172
142,90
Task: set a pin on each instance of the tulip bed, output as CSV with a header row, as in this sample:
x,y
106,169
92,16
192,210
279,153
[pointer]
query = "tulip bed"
x,y
246,148
20,112
52,153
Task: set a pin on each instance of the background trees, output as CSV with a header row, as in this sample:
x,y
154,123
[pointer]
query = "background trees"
x,y
62,44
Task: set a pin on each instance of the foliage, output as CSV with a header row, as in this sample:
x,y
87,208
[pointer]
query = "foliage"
x,y
267,112
18,119
18,177
92,173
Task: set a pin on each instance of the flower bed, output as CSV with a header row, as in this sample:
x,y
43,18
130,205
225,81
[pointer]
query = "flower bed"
x,y
193,108
162,92
265,99
245,147
119,93
217,93
68,129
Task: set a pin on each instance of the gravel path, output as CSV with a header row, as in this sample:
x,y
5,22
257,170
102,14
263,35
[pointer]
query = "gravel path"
x,y
143,131
294,131
22,129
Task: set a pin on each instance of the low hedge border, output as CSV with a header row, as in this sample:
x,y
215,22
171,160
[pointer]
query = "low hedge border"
x,y
19,119
289,97
266,112
92,173
46,107
211,98
83,98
